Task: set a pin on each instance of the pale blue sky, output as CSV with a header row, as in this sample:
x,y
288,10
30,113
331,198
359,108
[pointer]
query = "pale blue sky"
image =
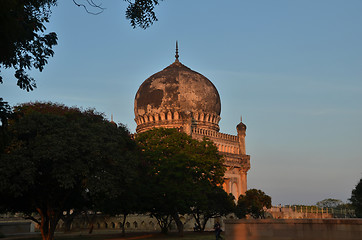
x,y
292,69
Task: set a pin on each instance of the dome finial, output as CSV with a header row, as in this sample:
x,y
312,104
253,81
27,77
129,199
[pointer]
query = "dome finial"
x,y
176,56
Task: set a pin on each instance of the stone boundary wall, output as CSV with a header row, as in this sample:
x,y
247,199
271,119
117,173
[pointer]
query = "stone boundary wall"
x,y
16,227
296,229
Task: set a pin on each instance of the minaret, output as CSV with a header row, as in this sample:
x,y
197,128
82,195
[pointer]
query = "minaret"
x,y
112,120
241,129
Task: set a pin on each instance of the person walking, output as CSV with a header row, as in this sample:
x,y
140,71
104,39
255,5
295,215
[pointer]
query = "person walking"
x,y
218,231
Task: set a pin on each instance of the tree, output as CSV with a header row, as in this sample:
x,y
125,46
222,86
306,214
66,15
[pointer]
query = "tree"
x,y
23,44
211,202
356,199
253,202
5,113
329,203
174,165
58,156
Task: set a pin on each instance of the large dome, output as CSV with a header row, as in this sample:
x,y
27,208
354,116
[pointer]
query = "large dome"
x,y
177,96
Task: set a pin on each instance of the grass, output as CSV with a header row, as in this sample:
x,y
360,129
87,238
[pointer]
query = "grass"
x,y
129,236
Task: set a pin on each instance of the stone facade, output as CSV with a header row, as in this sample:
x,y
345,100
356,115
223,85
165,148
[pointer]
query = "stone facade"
x,y
236,161
178,97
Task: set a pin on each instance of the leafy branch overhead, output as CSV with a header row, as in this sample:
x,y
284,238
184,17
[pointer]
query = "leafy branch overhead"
x,y
24,45
141,13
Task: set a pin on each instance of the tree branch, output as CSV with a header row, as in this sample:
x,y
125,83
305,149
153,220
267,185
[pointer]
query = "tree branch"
x,y
32,219
92,4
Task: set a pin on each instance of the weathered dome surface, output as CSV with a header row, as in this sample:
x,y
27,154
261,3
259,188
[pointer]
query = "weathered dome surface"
x,y
177,90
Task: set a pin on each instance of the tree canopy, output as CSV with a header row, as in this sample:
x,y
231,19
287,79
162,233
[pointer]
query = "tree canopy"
x,y
356,199
58,155
329,203
253,203
174,167
24,45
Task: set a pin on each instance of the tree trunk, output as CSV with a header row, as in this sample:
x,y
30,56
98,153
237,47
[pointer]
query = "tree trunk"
x,y
164,222
124,222
198,226
90,220
204,222
44,228
49,221
179,224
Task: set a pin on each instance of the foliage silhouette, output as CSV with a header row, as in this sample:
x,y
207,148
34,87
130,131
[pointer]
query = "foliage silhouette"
x,y
58,158
253,203
356,199
175,167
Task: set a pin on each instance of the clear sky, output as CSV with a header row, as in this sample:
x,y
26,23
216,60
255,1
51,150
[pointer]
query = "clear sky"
x,y
292,69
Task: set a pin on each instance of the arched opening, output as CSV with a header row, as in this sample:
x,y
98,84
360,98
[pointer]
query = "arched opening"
x,y
169,116
163,116
234,190
151,224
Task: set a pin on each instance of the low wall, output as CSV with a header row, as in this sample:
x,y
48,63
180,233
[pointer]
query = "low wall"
x,y
296,229
9,228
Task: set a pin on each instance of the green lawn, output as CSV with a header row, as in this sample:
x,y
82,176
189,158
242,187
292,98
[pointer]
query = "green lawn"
x,y
129,236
